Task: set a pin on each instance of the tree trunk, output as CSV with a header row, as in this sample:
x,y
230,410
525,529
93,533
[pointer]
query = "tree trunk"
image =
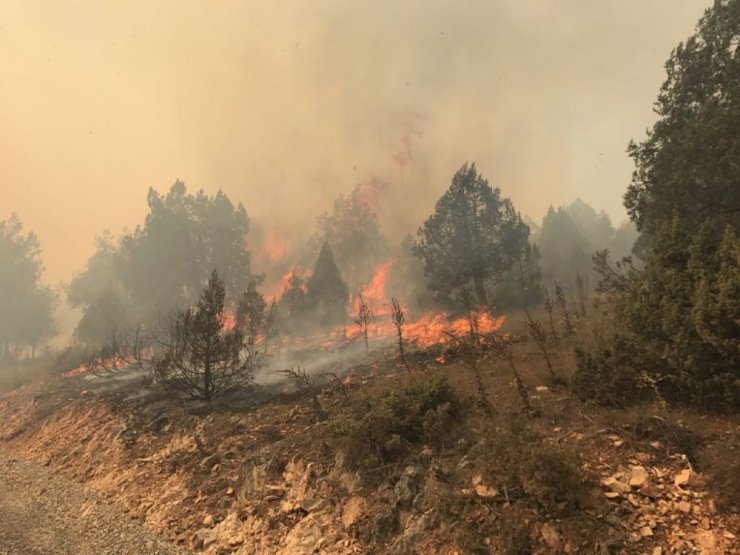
x,y
207,390
480,290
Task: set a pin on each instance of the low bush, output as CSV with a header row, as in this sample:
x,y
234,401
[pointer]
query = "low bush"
x,y
514,458
385,430
605,376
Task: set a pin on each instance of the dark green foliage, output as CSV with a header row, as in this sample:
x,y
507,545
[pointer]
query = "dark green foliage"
x,y
473,237
326,293
689,161
606,375
681,315
26,306
199,358
389,428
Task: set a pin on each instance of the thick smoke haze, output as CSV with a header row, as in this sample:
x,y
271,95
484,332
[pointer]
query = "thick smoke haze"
x,y
285,105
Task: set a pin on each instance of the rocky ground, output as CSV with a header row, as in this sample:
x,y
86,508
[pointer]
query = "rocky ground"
x,y
270,476
42,513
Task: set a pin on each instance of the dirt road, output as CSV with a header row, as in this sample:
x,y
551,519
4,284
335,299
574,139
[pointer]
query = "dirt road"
x,y
45,514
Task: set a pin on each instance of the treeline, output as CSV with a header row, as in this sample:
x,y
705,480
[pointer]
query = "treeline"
x,y
475,239
677,321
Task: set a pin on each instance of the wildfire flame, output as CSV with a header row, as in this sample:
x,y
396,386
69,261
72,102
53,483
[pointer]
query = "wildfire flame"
x,y
374,292
113,362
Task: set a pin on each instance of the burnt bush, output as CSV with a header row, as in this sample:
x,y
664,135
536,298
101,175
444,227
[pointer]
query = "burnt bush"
x,y
387,429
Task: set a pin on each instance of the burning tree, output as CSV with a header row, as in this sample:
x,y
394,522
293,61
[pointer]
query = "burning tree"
x,y
549,307
364,319
473,236
200,358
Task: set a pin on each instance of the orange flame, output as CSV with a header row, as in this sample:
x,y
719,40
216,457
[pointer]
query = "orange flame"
x,y
431,328
113,362
374,292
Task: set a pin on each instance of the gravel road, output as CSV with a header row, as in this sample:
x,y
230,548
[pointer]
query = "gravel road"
x,y
45,514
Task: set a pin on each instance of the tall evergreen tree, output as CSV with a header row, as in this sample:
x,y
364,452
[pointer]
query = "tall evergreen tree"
x,y
326,293
473,237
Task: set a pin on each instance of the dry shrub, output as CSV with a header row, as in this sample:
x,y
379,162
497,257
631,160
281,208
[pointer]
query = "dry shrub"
x,y
513,457
675,436
724,480
385,430
721,463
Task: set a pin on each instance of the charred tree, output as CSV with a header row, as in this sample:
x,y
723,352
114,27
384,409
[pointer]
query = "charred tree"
x,y
539,336
581,289
271,320
549,307
562,303
465,298
364,319
398,316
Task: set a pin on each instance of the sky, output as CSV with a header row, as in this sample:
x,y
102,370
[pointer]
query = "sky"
x,y
285,105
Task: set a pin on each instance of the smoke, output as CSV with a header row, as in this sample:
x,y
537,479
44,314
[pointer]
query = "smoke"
x,y
285,105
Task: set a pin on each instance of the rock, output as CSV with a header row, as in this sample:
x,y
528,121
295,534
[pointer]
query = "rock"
x,y
408,485
413,530
684,506
658,550
485,492
477,479
305,538
273,490
638,477
688,478
208,520
353,509
646,531
209,462
616,485
551,538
